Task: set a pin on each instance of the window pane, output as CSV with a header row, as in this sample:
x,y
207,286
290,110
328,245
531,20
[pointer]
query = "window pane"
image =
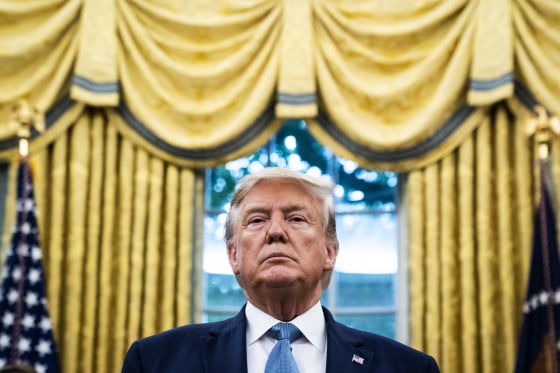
x,y
221,181
295,148
384,324
365,290
214,257
222,296
359,189
368,243
222,290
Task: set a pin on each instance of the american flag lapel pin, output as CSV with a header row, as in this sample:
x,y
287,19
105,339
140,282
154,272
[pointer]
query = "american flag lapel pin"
x,y
358,359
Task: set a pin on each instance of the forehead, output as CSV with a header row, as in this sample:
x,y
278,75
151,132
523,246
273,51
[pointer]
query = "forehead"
x,y
279,191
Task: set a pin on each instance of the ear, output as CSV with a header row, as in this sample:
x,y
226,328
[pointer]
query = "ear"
x,y
332,252
233,258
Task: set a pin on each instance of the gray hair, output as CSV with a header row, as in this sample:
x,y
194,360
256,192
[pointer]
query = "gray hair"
x,y
320,188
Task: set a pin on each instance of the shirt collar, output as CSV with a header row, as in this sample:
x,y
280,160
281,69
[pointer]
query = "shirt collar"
x,y
311,324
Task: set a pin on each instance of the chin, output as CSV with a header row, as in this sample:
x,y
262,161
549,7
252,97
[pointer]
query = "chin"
x,y
281,284
280,281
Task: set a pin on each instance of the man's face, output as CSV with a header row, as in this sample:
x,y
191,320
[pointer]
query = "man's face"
x,y
279,239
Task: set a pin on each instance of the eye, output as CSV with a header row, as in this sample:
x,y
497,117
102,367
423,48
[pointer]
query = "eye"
x,y
255,220
298,219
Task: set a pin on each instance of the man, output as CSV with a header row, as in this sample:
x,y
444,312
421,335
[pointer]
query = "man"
x,y
282,246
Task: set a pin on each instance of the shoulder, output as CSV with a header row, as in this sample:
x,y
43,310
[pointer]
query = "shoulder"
x,y
380,343
392,355
172,350
388,353
183,334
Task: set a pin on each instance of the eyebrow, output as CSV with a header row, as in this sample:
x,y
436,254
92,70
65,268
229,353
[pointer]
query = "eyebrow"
x,y
286,209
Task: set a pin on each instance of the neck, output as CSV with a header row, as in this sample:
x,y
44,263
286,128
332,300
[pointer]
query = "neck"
x,y
284,307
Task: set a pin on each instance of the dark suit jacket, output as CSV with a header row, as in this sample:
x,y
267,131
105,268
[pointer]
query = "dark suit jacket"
x,y
220,347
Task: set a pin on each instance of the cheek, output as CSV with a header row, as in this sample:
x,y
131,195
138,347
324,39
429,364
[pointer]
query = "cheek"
x,y
325,255
316,252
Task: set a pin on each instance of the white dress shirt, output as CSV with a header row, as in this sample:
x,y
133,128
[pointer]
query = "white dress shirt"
x,y
310,351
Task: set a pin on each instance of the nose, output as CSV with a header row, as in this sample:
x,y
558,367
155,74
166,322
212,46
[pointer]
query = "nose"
x,y
276,230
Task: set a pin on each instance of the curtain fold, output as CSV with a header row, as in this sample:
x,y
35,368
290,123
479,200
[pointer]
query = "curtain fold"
x,y
95,78
388,85
469,246
37,48
491,76
537,49
400,80
104,353
297,91
117,227
468,282
460,124
198,82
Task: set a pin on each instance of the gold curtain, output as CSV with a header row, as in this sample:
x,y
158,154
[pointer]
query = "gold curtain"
x,y
402,82
116,231
471,217
537,49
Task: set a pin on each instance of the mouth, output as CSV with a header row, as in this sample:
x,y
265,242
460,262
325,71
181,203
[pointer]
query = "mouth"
x,y
277,257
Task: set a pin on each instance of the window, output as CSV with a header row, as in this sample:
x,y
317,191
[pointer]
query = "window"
x,y
363,288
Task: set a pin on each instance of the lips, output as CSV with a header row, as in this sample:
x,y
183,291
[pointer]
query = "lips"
x,y
277,256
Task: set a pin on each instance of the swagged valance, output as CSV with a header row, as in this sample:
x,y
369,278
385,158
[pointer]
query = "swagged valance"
x,y
392,84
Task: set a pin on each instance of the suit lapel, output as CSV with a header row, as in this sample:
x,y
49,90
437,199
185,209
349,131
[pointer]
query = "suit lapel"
x,y
344,352
224,349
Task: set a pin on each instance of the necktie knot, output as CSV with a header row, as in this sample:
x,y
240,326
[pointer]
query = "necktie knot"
x,y
280,359
285,330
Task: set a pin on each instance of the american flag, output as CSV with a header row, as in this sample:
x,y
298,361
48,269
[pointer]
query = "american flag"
x,y
358,359
25,327
539,343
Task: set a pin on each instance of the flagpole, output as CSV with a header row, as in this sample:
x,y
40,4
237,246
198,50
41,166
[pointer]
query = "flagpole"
x,y
21,266
543,127
23,116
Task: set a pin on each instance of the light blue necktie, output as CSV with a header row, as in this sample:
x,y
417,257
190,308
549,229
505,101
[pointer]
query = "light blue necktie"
x,y
281,359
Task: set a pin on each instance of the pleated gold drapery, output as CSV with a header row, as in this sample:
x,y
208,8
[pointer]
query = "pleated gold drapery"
x,y
470,234
399,83
139,96
116,232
